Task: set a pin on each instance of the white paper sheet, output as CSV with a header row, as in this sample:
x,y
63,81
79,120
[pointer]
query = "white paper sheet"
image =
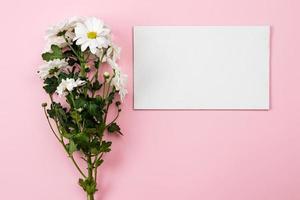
x,y
201,67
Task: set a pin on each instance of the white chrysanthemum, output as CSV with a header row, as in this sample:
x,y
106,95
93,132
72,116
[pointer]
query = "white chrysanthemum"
x,y
119,82
92,33
113,53
67,85
58,33
113,64
51,68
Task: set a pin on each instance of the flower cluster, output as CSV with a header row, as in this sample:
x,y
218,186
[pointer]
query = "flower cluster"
x,y
80,66
91,36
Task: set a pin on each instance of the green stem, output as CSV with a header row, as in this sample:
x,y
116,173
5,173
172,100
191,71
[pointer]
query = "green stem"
x,y
64,145
109,83
76,165
81,61
96,168
116,117
90,197
74,106
90,175
104,83
45,112
90,166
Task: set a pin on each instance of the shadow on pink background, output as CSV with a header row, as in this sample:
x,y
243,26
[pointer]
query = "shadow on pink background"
x,y
165,155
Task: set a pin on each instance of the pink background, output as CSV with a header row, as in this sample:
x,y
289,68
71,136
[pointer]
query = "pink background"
x,y
208,155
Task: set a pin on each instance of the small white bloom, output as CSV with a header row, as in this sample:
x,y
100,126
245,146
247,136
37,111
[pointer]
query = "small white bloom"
x,y
51,68
92,33
119,82
67,85
58,33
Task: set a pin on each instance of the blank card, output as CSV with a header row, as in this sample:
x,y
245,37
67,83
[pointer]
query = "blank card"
x,y
201,67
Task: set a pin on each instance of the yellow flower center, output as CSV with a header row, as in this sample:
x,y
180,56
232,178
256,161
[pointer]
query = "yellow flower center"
x,y
92,35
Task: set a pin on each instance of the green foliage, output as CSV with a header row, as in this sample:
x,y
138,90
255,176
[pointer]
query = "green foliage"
x,y
76,117
105,146
114,127
55,54
88,185
96,85
82,141
71,147
50,84
98,162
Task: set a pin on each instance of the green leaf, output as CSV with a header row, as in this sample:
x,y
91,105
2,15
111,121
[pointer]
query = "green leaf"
x,y
101,129
92,108
90,131
88,185
65,134
60,113
50,85
99,162
81,182
76,116
96,85
51,113
114,127
100,102
81,102
55,54
71,147
91,187
82,141
105,146
111,96
63,75
81,138
95,146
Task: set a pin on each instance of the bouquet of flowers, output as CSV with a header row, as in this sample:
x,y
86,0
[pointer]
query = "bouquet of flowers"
x,y
81,75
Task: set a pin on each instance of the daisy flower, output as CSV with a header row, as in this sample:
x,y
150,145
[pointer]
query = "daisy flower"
x,y
67,85
51,68
92,33
58,33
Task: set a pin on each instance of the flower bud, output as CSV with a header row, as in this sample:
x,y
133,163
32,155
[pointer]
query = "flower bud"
x,y
106,75
44,105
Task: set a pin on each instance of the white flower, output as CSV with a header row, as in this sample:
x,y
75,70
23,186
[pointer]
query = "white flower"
x,y
68,85
92,33
51,68
113,64
59,41
119,82
113,53
58,33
